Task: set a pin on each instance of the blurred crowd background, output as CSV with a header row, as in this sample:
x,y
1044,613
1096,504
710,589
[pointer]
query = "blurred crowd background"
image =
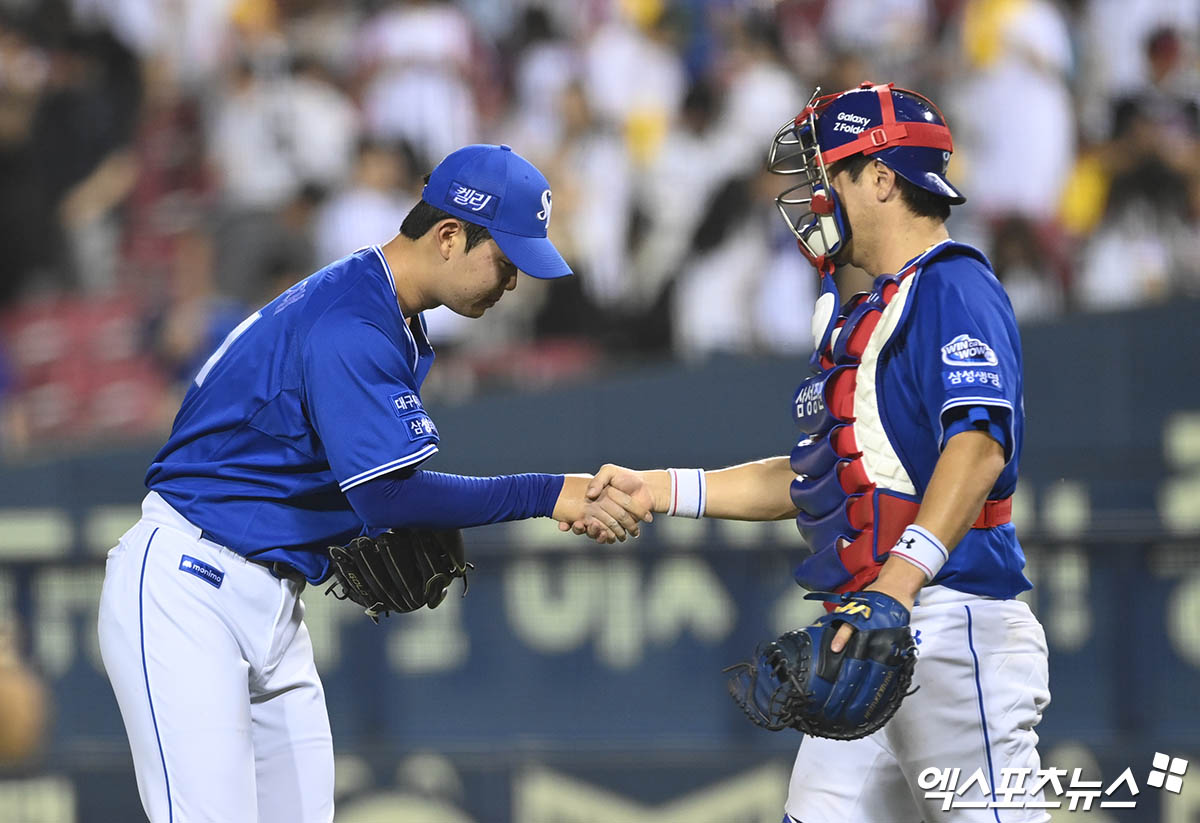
x,y
168,165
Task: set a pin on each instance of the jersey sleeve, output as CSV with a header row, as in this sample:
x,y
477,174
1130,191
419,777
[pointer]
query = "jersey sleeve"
x,y
969,352
361,394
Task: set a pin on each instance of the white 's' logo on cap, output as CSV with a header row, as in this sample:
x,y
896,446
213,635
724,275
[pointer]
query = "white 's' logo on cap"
x,y
544,214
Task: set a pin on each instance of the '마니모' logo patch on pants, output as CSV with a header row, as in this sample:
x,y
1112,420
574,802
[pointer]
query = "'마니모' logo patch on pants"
x,y
205,572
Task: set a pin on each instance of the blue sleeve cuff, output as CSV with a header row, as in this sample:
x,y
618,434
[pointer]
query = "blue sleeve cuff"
x,y
436,500
976,418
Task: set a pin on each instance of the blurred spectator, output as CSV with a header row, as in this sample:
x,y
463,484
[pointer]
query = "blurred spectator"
x,y
1025,267
546,65
325,30
251,141
633,76
593,176
1127,262
760,93
197,317
275,141
324,125
78,147
1155,150
24,702
417,59
802,35
1012,111
1153,163
372,208
173,186
893,32
191,159
720,301
787,292
27,225
14,428
278,128
253,248
1112,35
676,189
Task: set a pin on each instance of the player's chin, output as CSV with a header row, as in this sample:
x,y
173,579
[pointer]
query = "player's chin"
x,y
471,310
485,305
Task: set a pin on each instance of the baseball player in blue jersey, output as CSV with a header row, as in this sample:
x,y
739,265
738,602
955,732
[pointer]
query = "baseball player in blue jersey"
x,y
901,485
306,429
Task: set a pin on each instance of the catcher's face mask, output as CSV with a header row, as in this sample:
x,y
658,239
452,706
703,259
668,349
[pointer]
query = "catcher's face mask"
x,y
809,207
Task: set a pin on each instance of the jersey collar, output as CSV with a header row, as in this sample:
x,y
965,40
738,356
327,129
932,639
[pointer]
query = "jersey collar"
x,y
929,250
418,332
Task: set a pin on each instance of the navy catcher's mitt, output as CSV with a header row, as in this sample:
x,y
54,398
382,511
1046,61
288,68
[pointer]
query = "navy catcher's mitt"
x,y
401,570
798,682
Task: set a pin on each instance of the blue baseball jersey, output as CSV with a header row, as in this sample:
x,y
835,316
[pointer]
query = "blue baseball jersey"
x,y
958,348
317,392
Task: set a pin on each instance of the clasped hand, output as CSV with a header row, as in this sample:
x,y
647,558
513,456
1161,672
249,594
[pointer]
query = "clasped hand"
x,y
610,508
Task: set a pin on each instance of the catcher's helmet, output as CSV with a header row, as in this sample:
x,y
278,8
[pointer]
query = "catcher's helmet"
x,y
901,128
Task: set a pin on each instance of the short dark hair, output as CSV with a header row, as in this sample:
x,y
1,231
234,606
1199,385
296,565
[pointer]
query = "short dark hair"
x,y
921,202
423,217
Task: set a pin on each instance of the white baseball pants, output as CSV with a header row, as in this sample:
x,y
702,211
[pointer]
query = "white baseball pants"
x,y
982,673
216,682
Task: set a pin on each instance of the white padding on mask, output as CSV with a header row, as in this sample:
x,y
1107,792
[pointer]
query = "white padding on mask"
x,y
829,230
814,238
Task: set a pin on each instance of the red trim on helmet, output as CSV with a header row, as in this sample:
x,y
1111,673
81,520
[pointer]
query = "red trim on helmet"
x,y
917,135
887,106
890,133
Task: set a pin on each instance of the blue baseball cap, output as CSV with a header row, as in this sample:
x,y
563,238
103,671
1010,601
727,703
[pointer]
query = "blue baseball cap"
x,y
494,187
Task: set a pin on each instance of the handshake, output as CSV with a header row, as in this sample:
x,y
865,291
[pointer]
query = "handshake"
x,y
612,505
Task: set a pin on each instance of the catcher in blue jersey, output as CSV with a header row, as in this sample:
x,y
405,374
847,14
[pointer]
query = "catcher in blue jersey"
x,y
295,458
901,483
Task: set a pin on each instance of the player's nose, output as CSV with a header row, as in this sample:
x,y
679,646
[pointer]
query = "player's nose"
x,y
511,284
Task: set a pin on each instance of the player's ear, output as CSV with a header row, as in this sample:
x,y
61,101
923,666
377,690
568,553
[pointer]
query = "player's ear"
x,y
446,234
885,181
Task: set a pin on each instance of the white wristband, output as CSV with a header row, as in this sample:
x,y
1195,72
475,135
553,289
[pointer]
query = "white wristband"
x,y
689,492
919,547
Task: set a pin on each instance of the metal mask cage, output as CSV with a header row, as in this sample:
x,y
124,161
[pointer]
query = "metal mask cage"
x,y
795,151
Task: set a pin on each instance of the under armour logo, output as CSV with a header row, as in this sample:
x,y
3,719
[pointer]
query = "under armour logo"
x,y
544,214
908,542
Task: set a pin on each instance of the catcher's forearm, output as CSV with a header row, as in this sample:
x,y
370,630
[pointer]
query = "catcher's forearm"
x,y
964,475
750,491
